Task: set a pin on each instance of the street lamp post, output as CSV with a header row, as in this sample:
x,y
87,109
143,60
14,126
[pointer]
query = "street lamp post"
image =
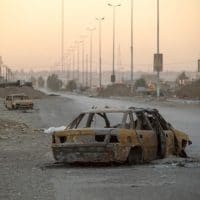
x,y
78,60
86,70
158,57
113,78
62,35
158,47
83,61
91,52
66,67
100,19
132,42
73,69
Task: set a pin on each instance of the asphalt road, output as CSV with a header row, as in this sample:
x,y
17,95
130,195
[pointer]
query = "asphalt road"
x,y
163,180
27,169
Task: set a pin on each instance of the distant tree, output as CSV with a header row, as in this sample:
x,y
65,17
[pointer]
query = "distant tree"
x,y
182,78
71,85
140,83
53,82
33,80
40,82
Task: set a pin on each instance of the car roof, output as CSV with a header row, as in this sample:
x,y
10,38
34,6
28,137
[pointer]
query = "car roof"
x,y
106,111
115,110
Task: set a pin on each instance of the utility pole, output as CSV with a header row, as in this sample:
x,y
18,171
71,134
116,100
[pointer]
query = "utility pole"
x,y
73,72
78,60
86,70
91,52
158,57
113,76
100,19
158,46
62,34
83,61
1,70
132,42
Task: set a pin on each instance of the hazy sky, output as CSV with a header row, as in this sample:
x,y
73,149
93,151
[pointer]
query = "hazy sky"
x,y
30,32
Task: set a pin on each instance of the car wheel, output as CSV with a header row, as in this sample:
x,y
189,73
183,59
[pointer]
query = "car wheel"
x,y
135,156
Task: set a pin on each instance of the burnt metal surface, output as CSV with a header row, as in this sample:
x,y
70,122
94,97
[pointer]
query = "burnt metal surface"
x,y
140,135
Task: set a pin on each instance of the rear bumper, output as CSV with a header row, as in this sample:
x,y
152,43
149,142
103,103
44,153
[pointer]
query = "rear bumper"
x,y
72,153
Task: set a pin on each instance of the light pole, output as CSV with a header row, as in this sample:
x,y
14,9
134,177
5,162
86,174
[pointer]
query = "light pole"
x,y
1,68
62,34
158,57
72,49
113,78
86,70
73,68
83,60
78,60
66,67
132,42
100,19
91,52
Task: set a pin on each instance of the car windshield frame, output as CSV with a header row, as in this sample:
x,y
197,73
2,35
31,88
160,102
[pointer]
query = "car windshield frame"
x,y
104,114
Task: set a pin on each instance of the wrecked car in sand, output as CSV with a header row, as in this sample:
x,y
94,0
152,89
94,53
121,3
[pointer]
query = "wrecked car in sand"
x,y
18,101
133,135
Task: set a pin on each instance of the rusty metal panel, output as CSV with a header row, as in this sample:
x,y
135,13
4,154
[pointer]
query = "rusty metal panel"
x,y
170,149
149,143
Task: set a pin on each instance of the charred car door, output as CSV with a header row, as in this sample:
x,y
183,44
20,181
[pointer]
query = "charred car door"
x,y
147,136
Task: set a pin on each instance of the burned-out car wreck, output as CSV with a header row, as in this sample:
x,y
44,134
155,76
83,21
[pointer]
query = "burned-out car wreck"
x,y
133,136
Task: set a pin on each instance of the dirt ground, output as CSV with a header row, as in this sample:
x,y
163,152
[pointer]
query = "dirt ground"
x,y
28,171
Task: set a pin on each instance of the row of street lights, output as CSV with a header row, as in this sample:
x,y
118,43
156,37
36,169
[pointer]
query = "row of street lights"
x,y
158,62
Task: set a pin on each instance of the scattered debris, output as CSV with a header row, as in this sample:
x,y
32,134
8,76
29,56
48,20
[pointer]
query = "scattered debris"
x,y
51,130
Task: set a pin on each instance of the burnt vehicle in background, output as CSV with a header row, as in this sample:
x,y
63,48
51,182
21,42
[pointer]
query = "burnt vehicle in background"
x,y
18,101
133,135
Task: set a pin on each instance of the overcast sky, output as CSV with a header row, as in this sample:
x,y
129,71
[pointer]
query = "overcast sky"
x,y
30,32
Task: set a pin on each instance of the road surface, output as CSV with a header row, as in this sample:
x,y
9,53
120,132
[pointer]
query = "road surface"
x,y
28,171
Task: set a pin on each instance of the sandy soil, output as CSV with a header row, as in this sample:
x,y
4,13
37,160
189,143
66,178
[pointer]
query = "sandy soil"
x,y
28,170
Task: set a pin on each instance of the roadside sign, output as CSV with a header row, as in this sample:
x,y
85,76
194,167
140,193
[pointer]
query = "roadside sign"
x,y
158,62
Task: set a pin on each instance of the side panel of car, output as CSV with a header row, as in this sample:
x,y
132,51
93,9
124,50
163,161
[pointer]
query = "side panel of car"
x,y
128,139
170,148
149,142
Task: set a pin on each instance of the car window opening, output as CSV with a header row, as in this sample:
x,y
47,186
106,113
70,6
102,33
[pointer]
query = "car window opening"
x,y
100,138
114,139
63,139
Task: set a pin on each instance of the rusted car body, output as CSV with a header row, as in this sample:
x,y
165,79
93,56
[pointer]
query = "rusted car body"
x,y
18,101
134,135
